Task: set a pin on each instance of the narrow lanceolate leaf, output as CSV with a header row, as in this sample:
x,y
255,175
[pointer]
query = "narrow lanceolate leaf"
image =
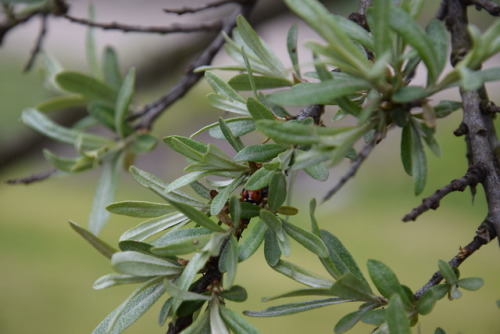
x,y
90,44
252,240
259,179
242,82
222,197
447,271
183,241
257,110
341,258
133,308
379,16
257,45
301,275
44,125
397,319
438,35
101,246
276,226
60,103
229,258
105,193
277,191
153,226
227,104
175,292
123,101
291,46
188,147
186,179
350,286
220,87
306,239
196,216
139,264
418,160
259,153
236,294
110,280
111,68
239,126
69,165
324,92
140,209
217,325
292,308
414,35
272,251
89,87
289,133
236,322
406,148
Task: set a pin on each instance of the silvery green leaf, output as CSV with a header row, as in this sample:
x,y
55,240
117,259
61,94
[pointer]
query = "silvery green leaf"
x,y
310,241
220,87
252,240
447,271
236,294
60,103
111,68
183,295
188,147
470,283
151,227
351,287
277,191
378,19
196,216
133,308
222,197
140,209
110,280
101,246
183,241
239,126
385,280
122,103
259,153
229,261
89,87
258,110
259,179
236,322
69,165
272,250
139,264
105,193
186,179
226,104
42,124
293,308
242,82
301,275
397,320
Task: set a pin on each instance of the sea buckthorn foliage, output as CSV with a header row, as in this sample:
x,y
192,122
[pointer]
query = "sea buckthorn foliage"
x,y
187,251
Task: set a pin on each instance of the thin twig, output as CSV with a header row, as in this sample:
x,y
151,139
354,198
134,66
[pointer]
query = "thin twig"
x,y
483,236
488,5
33,178
474,175
5,27
356,164
38,45
190,10
153,110
174,28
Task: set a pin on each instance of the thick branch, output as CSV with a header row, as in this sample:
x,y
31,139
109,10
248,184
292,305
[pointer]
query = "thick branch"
x,y
474,175
153,110
175,28
488,5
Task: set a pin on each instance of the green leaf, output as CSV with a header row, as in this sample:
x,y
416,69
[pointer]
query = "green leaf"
x,y
446,107
183,241
414,35
234,141
343,262
133,308
288,133
44,125
217,325
384,279
374,317
123,101
101,246
272,251
291,46
222,197
276,226
259,153
325,92
177,293
301,275
69,165
221,88
157,185
188,147
229,261
436,30
471,283
439,330
397,319
90,44
351,319
196,216
378,19
111,280
419,161
140,209
239,126
408,94
111,68
153,226
186,179
60,103
104,113
242,82
258,111
310,241
406,148
236,294
252,240
139,264
165,311
293,308
259,179
199,326
226,104
318,171
351,287
104,193
236,322
90,88
257,45
426,303
277,191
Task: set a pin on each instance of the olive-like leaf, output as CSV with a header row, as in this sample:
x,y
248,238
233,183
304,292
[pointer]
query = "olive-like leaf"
x,y
259,153
242,82
236,294
123,101
277,191
139,264
89,87
222,88
252,240
111,68
447,271
140,209
306,239
470,283
301,275
101,246
293,308
236,322
259,179
397,319
110,280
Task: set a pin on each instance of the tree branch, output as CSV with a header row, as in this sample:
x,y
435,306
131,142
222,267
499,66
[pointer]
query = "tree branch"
x,y
474,175
483,236
356,164
153,110
175,28
488,5
38,45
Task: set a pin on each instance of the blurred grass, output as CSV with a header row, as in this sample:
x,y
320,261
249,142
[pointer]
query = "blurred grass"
x,y
47,270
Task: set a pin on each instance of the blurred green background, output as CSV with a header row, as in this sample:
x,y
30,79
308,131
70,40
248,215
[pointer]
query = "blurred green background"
x,y
47,271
